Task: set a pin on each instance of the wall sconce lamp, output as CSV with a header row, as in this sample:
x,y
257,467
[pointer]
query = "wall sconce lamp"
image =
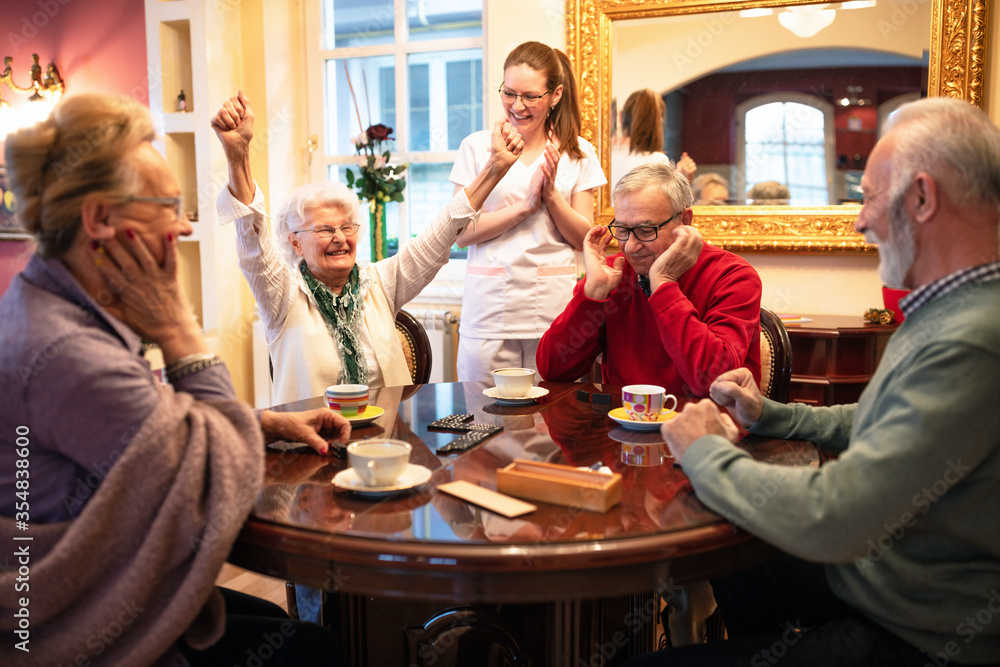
x,y
45,89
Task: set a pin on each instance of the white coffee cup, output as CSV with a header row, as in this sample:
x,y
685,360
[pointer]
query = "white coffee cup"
x,y
513,382
379,461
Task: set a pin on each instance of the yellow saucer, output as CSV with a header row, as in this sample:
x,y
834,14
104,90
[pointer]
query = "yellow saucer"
x,y
371,413
620,416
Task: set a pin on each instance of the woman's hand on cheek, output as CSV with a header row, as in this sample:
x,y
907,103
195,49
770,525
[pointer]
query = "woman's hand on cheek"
x,y
149,296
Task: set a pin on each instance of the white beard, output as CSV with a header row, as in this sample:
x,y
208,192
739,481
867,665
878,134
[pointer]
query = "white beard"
x,y
897,253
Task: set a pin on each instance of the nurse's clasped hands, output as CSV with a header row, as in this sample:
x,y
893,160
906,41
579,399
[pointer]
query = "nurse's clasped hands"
x,y
550,168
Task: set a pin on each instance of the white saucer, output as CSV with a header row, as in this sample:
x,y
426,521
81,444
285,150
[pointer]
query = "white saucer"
x,y
620,416
528,398
371,413
412,477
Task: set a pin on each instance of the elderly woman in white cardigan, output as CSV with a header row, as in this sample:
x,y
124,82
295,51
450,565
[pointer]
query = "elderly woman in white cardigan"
x,y
328,320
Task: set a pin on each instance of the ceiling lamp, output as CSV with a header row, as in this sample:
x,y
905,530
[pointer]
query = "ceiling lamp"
x,y
806,21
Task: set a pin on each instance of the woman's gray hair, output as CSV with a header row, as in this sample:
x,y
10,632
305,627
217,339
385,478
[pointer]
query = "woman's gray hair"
x,y
671,182
291,216
954,142
80,150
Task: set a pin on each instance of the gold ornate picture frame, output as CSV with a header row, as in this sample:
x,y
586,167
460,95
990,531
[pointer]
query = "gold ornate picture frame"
x,y
956,69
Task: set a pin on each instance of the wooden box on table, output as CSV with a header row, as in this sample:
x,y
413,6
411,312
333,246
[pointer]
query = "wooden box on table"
x,y
561,485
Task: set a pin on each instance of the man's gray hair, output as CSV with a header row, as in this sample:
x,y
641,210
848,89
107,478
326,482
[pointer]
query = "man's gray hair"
x,y
671,183
954,142
291,216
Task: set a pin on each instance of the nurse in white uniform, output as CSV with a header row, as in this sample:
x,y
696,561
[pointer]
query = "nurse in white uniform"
x,y
522,252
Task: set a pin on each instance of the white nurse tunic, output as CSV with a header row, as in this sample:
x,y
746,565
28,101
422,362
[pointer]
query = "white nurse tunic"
x,y
518,282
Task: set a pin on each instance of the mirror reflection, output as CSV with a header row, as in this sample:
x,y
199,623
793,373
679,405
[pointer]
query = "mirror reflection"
x,y
794,109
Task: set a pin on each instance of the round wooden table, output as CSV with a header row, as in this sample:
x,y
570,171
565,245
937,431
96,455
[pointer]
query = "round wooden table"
x,y
418,575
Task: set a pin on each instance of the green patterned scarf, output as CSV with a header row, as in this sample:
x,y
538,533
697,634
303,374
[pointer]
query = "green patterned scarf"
x,y
343,314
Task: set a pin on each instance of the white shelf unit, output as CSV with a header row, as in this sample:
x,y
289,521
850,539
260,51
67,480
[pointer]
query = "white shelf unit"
x,y
181,36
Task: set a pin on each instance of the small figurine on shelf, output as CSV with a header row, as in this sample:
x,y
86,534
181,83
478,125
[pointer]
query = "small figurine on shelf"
x,y
182,104
879,316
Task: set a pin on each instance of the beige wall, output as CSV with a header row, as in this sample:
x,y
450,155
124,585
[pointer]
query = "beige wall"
x,y
687,48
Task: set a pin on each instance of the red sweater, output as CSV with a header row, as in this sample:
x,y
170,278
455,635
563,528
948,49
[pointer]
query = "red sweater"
x,y
681,337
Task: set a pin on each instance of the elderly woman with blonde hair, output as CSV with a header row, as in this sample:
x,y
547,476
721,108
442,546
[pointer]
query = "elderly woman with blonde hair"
x,y
329,320
138,487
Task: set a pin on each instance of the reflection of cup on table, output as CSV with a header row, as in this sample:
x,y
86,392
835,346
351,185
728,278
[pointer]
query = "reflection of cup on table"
x,y
379,462
645,402
349,400
513,382
635,454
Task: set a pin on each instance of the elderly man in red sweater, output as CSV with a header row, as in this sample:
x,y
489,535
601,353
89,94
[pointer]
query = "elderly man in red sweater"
x,y
677,314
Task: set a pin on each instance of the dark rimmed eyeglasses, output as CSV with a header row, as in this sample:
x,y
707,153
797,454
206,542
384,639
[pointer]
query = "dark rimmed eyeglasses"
x,y
174,202
644,233
527,99
326,233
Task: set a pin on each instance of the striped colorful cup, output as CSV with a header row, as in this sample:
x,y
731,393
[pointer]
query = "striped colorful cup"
x,y
349,400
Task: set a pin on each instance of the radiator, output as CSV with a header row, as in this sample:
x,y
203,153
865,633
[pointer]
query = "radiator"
x,y
442,330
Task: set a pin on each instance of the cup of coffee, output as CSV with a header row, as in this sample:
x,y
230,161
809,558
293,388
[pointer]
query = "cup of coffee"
x,y
349,400
513,382
379,461
645,402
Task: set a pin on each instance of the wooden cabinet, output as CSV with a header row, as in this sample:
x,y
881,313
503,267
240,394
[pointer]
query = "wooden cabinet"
x,y
834,357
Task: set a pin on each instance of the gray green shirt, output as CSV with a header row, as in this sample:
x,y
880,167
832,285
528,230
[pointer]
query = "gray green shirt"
x,y
907,516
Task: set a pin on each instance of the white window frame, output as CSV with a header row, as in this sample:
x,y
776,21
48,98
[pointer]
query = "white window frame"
x,y
446,288
829,139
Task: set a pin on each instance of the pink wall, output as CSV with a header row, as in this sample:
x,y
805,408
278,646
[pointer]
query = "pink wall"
x,y
98,46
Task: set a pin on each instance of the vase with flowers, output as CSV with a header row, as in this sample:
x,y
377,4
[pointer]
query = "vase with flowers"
x,y
378,181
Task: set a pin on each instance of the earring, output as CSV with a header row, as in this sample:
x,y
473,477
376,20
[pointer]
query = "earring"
x,y
98,249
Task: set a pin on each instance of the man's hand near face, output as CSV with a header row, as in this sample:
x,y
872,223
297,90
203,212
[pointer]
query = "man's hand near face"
x,y
679,257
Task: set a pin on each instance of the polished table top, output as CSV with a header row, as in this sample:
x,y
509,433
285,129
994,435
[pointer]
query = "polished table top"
x,y
430,545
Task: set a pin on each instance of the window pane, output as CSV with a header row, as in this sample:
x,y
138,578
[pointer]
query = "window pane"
x,y
387,96
336,173
357,23
376,75
785,143
420,107
427,193
446,98
465,104
444,19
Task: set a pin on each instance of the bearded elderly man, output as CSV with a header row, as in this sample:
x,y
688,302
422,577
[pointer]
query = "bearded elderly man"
x,y
905,518
677,313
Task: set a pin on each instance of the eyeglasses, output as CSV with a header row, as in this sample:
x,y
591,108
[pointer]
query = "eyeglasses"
x,y
175,202
644,234
527,99
326,233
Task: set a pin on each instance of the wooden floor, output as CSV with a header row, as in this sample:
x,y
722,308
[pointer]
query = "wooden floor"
x,y
251,583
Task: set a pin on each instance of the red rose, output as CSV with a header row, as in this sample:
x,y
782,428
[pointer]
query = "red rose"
x,y
379,132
